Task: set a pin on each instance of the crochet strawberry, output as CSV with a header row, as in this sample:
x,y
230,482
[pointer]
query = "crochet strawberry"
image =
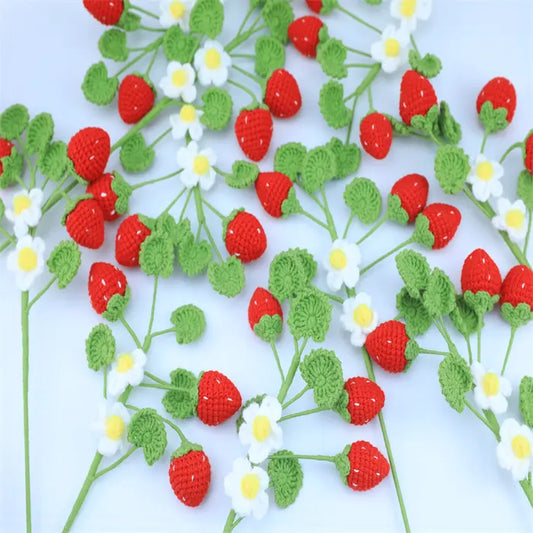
x,y
253,129
390,347
244,236
262,304
190,474
528,152
130,236
375,133
417,96
365,399
89,150
500,92
314,5
273,189
218,398
107,12
105,282
322,6
440,223
303,33
282,94
5,150
135,98
84,221
104,190
517,287
481,273
411,193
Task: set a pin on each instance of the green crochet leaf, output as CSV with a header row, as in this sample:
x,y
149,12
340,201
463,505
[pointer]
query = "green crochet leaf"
x,y
288,275
289,159
189,321
286,477
525,401
322,371
269,327
449,127
129,21
516,316
332,105
525,188
412,310
207,18
135,155
307,260
64,262
100,347
342,464
97,86
183,232
414,271
13,166
465,320
428,123
399,127
455,380
412,350
13,121
319,166
116,306
373,2
395,211
291,205
429,65
181,403
451,168
269,55
364,199
178,46
40,133
310,315
146,430
2,209
278,16
194,257
156,257
481,302
227,278
439,297
243,174
331,55
218,107
347,157
341,407
53,161
422,235
493,119
123,191
113,45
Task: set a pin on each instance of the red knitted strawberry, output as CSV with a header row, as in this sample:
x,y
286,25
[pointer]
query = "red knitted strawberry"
x,y
500,92
528,152
442,222
104,194
273,189
245,237
387,345
190,474
368,466
282,94
481,273
85,223
130,235
412,191
375,133
253,129
262,304
218,398
5,150
107,12
135,98
417,96
365,400
105,281
314,5
517,287
89,150
303,33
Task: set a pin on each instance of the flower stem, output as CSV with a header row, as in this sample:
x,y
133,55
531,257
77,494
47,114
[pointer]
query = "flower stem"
x,y
278,362
147,50
384,256
356,51
358,19
148,338
116,463
484,142
479,344
329,217
216,211
509,150
303,413
156,180
434,352
469,348
295,363
296,397
48,285
161,137
528,234
156,379
244,72
130,331
313,218
145,11
376,226
228,526
509,347
201,221
480,416
9,237
246,90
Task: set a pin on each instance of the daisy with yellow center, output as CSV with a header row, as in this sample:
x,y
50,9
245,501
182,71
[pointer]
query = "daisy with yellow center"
x,y
25,210
491,390
410,11
197,166
187,121
515,448
359,318
485,176
212,63
511,218
392,50
128,369
179,81
260,430
246,486
342,265
26,261
112,428
175,12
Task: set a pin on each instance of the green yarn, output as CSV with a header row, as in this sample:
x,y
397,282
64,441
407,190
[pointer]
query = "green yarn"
x,y
310,315
341,406
129,21
342,464
177,46
116,305
331,55
135,155
217,108
412,351
289,274
194,257
289,159
414,270
97,86
399,127
13,121
52,161
525,188
2,209
364,199
64,262
347,157
113,45
439,297
243,174
207,18
308,262
429,65
395,211
181,403
455,380
100,347
166,225
146,430
40,133
481,302
183,231
451,168
319,166
516,316
332,106
412,310
189,322
123,191
156,257
449,127
269,327
291,204
525,401
493,119
13,166
328,6
465,320
227,278
422,234
286,477
278,16
269,55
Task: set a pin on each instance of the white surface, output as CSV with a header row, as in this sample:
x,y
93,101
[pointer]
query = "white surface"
x,y
447,462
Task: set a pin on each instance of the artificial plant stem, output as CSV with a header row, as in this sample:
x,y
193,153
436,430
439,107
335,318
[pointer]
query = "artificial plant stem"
x,y
161,137
484,142
305,213
528,490
40,294
348,224
479,344
239,39
228,526
327,212
216,211
152,61
8,236
528,234
201,221
138,58
152,311
358,19
130,331
147,28
246,90
433,352
156,379
296,397
508,352
303,413
176,200
244,72
356,51
469,348
116,463
157,386
327,458
295,363
145,11
162,332
509,150
244,56
479,416
157,180
105,381
278,362
374,228
359,65
245,20
184,208
333,297
384,256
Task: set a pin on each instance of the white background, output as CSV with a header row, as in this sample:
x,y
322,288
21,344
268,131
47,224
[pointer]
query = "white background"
x,y
446,461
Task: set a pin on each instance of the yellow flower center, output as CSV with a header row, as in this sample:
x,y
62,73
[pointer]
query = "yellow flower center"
x,y
261,428
337,259
250,486
490,384
27,259
125,362
363,315
212,59
188,113
114,427
177,9
21,203
485,171
179,78
201,165
408,7
514,218
521,447
392,48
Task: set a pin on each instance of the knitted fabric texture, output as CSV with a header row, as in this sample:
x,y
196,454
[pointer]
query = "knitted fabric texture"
x,y
105,196
135,99
5,150
386,345
262,303
517,287
218,398
528,158
130,236
253,130
190,476
89,150
413,193
481,273
107,12
375,133
105,280
368,466
500,92
85,224
417,96
303,33
282,94
245,237
272,189
365,400
444,220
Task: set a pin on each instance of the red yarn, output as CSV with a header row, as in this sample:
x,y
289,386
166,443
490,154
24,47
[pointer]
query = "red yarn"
x,y
365,400
517,287
500,92
528,158
135,99
282,95
245,237
218,398
386,345
105,280
444,220
417,96
5,150
85,224
272,189
413,193
303,33
375,133
314,5
107,12
190,476
481,273
104,195
262,303
253,130
89,150
368,466
130,236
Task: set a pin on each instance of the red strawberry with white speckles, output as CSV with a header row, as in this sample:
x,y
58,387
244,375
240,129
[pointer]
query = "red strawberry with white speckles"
x,y
107,12
130,236
89,150
112,194
265,315
501,93
218,398
517,287
84,221
436,226
135,98
253,129
322,7
282,94
273,189
363,400
375,133
417,96
105,282
481,273
5,150
411,193
244,236
304,34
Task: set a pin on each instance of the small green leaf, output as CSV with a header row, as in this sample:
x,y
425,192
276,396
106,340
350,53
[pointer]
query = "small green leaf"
x,y
181,402
269,55
493,119
395,211
53,161
347,157
278,16
156,257
64,262
40,133
319,166
525,188
417,319
342,464
331,55
97,86
13,122
289,159
310,315
123,191
129,21
100,347
135,156
194,257
146,430
481,302
112,45
189,321
451,168
243,174
227,278
290,205
286,477
465,320
308,262
218,107
183,231
2,209
439,297
287,276
455,380
449,127
414,271
525,401
13,166
207,18
332,105
428,123
399,127
516,316
364,199
178,46
116,305
422,234
429,65
269,327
